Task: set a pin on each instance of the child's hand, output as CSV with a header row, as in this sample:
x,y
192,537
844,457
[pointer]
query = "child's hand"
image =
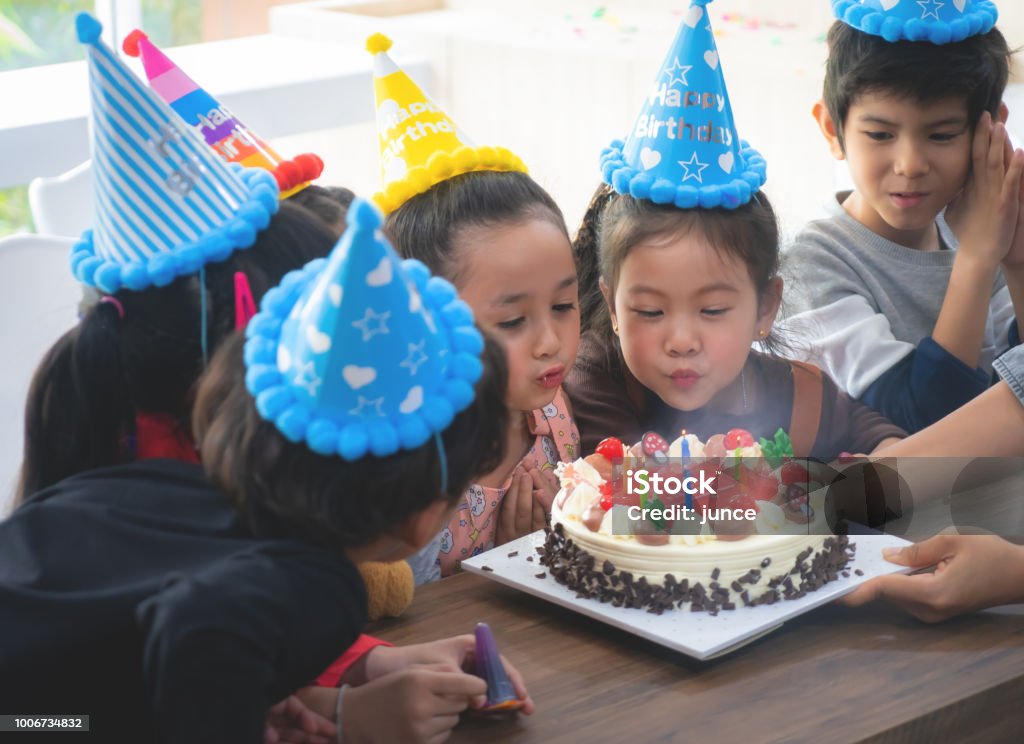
x,y
387,659
303,718
418,704
984,215
545,488
971,572
520,512
457,651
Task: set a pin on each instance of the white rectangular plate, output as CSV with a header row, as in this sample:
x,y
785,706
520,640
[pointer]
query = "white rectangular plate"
x,y
696,634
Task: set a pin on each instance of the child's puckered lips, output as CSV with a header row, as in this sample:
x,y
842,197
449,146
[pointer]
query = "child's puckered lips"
x,y
685,378
552,377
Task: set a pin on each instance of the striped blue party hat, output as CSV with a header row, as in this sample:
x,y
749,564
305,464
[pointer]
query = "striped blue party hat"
x,y
166,205
936,21
361,352
684,149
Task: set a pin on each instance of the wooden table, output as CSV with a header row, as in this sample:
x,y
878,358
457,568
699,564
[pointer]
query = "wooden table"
x,y
835,674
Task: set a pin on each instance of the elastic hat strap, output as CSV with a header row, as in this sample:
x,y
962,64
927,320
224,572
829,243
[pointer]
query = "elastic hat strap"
x,y
443,458
203,330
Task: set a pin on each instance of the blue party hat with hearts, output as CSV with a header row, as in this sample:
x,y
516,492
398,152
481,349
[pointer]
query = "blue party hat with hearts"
x,y
166,205
684,149
362,353
937,21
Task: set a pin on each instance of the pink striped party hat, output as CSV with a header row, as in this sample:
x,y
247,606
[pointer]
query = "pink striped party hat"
x,y
221,129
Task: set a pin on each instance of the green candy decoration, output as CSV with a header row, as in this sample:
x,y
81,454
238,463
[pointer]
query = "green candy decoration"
x,y
777,449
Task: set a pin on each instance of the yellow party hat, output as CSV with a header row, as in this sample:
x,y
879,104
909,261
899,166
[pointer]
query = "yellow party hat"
x,y
420,146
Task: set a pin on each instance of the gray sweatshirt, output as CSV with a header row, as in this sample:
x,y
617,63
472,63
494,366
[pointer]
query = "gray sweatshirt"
x,y
863,308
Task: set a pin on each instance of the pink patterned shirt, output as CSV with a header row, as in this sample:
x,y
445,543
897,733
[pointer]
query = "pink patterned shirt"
x,y
474,526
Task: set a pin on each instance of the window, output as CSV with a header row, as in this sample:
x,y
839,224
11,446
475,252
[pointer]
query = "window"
x,y
42,32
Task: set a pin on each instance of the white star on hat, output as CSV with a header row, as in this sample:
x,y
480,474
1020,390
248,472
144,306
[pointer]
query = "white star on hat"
x,y
415,358
307,378
930,8
693,163
372,323
367,403
677,73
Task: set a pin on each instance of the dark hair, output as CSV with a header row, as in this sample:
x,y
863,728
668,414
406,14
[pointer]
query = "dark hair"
x,y
285,489
588,265
81,406
615,223
974,70
329,203
427,226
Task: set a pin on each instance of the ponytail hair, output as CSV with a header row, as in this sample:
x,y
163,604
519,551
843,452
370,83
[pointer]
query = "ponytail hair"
x,y
588,265
67,428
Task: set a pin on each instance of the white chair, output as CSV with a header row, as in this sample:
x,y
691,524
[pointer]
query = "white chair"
x,y
62,205
38,302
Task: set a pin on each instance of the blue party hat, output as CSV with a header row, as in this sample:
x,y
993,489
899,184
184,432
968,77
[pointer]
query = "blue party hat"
x,y
166,205
684,149
937,21
362,352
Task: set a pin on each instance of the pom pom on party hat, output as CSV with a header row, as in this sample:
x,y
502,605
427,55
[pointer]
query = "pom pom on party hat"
x,y
166,205
684,149
420,146
221,129
362,353
937,21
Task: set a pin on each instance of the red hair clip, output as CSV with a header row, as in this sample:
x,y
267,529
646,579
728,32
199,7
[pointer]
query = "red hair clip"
x,y
245,308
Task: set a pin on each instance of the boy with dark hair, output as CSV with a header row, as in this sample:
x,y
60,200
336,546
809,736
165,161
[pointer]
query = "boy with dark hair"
x,y
900,287
178,602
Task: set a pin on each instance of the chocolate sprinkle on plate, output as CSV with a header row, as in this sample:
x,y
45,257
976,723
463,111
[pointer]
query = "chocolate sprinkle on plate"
x,y
487,568
541,575
513,554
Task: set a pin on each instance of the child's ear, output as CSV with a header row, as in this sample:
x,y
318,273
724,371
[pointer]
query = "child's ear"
x,y
1003,112
768,307
828,129
610,301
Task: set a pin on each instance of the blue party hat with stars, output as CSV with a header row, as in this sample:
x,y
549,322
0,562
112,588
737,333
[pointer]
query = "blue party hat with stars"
x,y
684,149
937,21
362,353
166,205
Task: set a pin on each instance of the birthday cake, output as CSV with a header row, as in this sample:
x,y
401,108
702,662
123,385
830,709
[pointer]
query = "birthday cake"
x,y
714,525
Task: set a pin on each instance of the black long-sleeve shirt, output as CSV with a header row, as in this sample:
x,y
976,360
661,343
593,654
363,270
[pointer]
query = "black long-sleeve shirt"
x,y
137,595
